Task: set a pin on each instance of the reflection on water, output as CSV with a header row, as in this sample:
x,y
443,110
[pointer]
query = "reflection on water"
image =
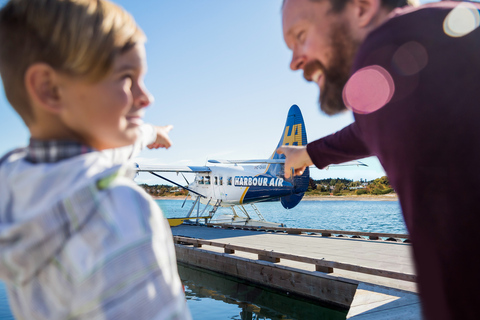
x,y
214,296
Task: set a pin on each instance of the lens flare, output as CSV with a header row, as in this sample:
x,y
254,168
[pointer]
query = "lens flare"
x,y
410,58
462,20
368,90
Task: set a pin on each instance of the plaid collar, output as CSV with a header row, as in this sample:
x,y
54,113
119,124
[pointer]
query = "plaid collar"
x,y
51,151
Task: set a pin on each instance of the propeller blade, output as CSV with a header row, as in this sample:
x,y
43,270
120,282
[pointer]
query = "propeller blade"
x,y
201,195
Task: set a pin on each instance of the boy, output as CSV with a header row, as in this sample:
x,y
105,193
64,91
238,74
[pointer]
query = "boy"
x,y
78,238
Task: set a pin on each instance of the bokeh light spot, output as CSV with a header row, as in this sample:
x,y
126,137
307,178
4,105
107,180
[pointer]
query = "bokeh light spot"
x,y
410,58
462,20
368,89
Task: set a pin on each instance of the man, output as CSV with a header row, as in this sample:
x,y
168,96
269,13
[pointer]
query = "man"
x,y
412,78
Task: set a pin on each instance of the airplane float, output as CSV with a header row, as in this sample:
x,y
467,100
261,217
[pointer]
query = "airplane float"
x,y
235,183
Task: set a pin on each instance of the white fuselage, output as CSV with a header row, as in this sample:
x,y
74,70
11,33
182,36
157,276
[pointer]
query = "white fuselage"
x,y
231,183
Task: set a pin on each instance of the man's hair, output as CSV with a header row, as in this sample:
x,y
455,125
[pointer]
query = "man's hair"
x,y
339,5
75,37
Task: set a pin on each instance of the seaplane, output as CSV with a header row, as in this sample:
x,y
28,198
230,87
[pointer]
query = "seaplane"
x,y
237,183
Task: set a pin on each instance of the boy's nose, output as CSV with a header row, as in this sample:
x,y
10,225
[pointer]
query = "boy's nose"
x,y
142,98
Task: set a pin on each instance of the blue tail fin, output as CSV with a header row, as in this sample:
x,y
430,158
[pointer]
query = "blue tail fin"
x,y
294,133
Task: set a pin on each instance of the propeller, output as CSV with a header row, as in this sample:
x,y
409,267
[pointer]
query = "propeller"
x,y
177,184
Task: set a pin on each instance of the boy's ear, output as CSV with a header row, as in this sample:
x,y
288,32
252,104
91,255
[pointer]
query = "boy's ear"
x,y
41,84
366,11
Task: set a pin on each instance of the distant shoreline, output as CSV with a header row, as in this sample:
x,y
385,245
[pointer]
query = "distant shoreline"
x,y
385,197
365,197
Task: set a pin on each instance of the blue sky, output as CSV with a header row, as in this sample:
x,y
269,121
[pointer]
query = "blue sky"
x,y
219,72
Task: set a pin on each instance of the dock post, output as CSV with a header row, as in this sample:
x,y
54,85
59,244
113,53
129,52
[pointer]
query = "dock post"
x,y
292,231
323,269
268,258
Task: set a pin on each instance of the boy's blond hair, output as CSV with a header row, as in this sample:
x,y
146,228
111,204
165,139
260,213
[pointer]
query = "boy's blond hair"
x,y
76,37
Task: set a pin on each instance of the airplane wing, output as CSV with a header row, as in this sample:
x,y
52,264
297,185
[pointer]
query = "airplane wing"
x,y
152,168
166,168
248,161
281,161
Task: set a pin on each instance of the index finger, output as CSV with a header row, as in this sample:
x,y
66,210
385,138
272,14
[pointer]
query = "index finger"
x,y
168,128
281,150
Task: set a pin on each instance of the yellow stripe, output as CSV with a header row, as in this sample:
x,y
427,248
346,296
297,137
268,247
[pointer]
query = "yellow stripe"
x,y
243,195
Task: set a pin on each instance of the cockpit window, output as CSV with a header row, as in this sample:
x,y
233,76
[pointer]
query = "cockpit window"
x,y
200,180
207,180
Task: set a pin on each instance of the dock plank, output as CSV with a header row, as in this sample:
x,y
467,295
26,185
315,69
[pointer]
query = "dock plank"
x,y
364,295
385,255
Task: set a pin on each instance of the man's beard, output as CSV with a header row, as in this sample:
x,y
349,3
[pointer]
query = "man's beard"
x,y
343,50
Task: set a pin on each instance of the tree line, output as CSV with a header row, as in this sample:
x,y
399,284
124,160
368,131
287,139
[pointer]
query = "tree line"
x,y
163,190
341,186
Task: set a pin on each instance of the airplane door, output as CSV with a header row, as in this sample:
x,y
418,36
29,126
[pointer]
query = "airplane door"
x,y
219,187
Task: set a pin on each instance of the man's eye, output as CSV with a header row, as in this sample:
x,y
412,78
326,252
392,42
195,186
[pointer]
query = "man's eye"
x,y
300,36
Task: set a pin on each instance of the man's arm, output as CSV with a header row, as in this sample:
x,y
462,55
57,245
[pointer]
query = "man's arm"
x,y
342,146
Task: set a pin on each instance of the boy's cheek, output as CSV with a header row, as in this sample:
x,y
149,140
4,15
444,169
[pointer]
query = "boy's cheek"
x,y
115,135
131,135
135,134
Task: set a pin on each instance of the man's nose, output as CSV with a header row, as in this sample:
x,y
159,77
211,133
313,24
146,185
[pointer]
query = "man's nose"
x,y
297,63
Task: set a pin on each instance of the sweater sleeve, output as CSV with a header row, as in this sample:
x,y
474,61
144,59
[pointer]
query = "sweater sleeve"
x,y
342,146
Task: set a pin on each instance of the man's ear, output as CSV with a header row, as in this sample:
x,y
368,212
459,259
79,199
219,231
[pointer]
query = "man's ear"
x,y
366,11
41,85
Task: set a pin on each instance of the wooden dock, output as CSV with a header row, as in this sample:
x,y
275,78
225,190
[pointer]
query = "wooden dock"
x,y
372,279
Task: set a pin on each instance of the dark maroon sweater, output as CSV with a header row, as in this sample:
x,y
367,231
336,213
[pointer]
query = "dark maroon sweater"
x,y
427,138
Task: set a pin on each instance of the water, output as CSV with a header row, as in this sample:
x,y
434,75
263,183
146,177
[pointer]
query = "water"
x,y
366,216
5,313
215,297
211,296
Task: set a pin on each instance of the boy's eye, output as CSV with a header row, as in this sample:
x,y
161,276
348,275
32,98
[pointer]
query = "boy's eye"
x,y
128,77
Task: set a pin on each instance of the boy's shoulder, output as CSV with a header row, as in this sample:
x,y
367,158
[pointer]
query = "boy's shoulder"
x,y
122,192
13,155
36,187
